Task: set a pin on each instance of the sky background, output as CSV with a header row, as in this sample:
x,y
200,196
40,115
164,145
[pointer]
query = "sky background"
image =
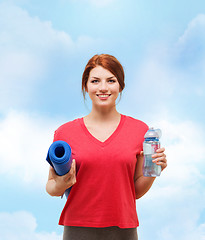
x,y
44,47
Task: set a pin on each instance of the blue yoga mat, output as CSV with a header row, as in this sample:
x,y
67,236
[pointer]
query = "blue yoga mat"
x,y
60,158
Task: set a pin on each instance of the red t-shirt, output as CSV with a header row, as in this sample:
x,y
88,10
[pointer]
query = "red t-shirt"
x,y
104,192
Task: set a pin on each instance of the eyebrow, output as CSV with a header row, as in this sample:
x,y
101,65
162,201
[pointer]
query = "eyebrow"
x,y
107,78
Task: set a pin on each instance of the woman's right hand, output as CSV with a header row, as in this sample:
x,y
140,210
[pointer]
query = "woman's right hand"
x,y
57,185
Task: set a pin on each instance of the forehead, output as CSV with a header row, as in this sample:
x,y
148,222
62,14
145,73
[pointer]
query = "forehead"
x,y
100,72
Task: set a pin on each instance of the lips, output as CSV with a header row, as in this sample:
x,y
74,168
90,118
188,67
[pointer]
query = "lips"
x,y
103,96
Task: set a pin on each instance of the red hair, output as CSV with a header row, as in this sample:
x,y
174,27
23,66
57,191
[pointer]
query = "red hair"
x,y
108,62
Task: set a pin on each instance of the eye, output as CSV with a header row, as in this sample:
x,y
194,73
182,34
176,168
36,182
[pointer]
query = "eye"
x,y
94,81
112,81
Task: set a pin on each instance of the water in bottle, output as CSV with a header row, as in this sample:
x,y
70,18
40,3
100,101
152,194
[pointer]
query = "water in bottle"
x,y
150,145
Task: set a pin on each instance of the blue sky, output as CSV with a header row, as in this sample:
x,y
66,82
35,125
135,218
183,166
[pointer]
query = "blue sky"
x,y
44,46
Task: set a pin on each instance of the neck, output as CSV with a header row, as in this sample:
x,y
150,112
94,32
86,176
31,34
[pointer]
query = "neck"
x,y
103,114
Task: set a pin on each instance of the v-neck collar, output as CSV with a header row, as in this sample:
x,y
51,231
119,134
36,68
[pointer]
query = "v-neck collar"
x,y
109,139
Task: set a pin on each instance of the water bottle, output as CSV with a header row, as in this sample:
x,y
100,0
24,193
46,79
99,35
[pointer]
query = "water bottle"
x,y
150,145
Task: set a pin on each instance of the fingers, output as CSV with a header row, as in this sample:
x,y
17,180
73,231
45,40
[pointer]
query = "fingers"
x,y
72,169
160,150
157,155
160,158
70,177
66,180
74,166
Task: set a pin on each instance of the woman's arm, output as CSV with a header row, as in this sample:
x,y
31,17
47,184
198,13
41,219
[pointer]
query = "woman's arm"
x,y
56,185
143,184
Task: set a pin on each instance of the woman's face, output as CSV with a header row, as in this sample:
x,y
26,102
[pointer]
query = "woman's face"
x,y
103,87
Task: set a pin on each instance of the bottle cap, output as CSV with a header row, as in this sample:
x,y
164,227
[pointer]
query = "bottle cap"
x,y
159,132
153,133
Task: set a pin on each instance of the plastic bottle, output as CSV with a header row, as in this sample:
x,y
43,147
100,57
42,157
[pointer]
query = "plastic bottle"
x,y
150,145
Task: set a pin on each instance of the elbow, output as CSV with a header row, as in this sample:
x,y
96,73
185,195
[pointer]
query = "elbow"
x,y
52,192
48,190
138,196
54,195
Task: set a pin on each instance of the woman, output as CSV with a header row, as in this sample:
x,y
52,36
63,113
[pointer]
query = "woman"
x,y
106,175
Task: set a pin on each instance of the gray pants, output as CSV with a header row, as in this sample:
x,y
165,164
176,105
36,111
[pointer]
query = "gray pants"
x,y
108,233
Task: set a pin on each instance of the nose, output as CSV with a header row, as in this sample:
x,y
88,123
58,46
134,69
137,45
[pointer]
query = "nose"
x,y
103,86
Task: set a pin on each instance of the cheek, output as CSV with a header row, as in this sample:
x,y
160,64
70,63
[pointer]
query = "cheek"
x,y
116,89
90,89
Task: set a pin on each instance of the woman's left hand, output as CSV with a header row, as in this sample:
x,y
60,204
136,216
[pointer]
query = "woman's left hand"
x,y
160,158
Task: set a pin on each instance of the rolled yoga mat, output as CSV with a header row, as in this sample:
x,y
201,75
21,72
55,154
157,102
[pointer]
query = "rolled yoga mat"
x,y
60,158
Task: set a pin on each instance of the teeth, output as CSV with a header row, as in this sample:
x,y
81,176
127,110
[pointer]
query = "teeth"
x,y
103,95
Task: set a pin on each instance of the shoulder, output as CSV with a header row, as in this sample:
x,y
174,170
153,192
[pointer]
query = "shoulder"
x,y
69,124
135,123
67,128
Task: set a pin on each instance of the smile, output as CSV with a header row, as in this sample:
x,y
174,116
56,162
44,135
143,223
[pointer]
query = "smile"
x,y
103,95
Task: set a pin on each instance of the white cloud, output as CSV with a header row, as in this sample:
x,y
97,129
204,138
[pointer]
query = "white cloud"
x,y
24,31
25,44
30,49
173,207
22,226
172,76
190,49
195,30
24,141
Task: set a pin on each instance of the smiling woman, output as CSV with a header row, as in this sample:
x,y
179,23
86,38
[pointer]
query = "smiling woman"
x,y
106,175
